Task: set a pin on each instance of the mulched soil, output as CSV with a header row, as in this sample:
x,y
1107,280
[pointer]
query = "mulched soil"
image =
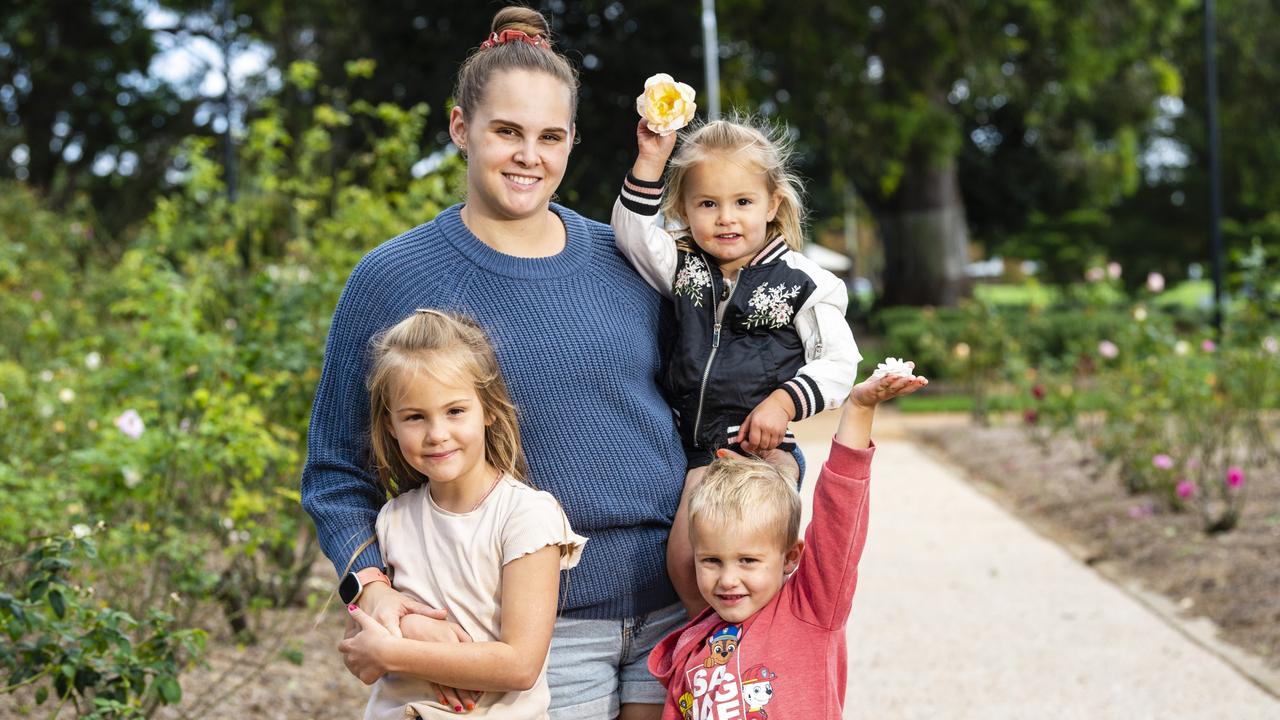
x,y
1231,578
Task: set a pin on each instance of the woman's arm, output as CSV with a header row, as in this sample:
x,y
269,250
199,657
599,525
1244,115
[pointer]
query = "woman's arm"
x,y
529,595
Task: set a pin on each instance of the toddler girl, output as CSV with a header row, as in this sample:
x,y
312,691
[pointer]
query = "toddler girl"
x,y
761,337
462,531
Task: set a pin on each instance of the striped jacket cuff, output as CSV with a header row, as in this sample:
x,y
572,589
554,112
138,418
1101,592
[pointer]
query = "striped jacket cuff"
x,y
805,394
642,197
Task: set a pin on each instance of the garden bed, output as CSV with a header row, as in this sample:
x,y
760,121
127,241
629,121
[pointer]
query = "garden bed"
x,y
1229,578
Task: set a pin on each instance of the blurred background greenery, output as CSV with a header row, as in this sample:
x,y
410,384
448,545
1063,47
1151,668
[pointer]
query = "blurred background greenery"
x,y
1020,184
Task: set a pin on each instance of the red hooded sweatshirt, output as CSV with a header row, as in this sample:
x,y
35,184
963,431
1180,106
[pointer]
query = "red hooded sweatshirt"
x,y
788,660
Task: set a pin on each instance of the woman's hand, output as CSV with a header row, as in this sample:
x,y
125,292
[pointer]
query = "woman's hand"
x,y
654,149
361,652
388,607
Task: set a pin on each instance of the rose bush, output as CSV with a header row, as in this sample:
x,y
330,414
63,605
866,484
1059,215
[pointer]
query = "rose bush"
x,y
164,392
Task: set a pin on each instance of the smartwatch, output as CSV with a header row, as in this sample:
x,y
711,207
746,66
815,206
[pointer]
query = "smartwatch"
x,y
354,583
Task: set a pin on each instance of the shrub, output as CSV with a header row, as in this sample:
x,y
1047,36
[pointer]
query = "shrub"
x,y
66,644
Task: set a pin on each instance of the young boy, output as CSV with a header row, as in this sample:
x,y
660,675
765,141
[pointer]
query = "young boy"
x,y
772,646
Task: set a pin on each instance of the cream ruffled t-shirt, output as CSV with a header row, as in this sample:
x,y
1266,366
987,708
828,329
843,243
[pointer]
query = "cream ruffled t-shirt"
x,y
455,560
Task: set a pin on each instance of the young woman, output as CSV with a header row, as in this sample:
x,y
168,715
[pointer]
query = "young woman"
x,y
575,330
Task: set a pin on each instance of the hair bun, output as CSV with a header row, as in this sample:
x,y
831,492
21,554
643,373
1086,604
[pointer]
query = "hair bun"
x,y
526,20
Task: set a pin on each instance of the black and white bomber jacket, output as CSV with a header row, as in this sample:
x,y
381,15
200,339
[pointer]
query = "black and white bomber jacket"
x,y
781,325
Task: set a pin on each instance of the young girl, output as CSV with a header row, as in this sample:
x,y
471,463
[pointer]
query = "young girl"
x,y
761,337
461,531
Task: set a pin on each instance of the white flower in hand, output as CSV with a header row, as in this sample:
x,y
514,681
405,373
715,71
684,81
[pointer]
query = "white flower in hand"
x,y
893,366
666,105
893,378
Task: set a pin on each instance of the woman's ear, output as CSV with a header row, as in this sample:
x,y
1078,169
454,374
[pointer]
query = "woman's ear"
x,y
458,128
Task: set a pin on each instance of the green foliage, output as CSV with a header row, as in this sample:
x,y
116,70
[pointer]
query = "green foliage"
x,y
165,393
96,658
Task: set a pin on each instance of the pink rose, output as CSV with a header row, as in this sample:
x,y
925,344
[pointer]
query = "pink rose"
x,y
1155,282
1235,477
1185,489
130,423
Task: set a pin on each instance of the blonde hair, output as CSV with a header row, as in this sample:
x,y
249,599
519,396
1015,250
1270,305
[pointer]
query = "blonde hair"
x,y
742,139
442,345
747,493
475,72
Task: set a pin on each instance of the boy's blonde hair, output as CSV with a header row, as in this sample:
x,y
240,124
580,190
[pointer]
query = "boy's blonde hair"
x,y
743,139
450,348
747,493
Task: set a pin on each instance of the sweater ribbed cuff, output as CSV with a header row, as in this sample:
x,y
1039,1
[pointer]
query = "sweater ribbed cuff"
x,y
805,394
851,462
642,197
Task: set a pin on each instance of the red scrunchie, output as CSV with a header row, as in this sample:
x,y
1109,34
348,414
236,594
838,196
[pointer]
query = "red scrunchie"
x,y
507,36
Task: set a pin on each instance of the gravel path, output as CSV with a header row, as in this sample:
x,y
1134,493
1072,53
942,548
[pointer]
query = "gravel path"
x,y
964,612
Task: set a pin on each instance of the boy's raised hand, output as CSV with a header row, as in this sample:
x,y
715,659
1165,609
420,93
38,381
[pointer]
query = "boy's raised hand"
x,y
653,152
875,390
854,429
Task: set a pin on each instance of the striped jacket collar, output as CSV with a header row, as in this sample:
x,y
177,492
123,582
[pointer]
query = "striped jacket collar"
x,y
771,251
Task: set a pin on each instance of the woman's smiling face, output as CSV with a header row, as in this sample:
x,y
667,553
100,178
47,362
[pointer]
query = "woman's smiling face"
x,y
517,143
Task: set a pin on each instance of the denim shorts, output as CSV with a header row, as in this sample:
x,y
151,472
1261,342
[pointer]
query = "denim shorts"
x,y
597,666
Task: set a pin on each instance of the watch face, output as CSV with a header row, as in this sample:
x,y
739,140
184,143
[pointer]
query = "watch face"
x,y
349,588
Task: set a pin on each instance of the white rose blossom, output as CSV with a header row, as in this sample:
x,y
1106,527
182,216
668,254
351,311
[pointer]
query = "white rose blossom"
x,y
666,105
893,366
130,423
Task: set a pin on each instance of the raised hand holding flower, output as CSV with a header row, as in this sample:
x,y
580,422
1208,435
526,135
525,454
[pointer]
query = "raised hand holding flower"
x,y
666,105
892,378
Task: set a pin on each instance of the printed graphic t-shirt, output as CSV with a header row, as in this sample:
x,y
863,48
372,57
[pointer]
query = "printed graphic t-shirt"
x,y
789,659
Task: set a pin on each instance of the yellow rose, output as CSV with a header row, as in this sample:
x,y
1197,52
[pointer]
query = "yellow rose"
x,y
666,105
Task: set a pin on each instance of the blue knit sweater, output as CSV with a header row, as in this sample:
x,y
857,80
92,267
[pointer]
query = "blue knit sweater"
x,y
576,335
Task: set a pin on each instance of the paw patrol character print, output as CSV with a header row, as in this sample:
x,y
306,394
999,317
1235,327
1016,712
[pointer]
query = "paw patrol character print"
x,y
723,642
757,691
686,705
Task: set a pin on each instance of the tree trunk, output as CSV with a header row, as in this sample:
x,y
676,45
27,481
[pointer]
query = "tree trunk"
x,y
926,239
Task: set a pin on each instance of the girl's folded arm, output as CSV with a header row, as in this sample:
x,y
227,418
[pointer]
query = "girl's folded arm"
x,y
529,593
